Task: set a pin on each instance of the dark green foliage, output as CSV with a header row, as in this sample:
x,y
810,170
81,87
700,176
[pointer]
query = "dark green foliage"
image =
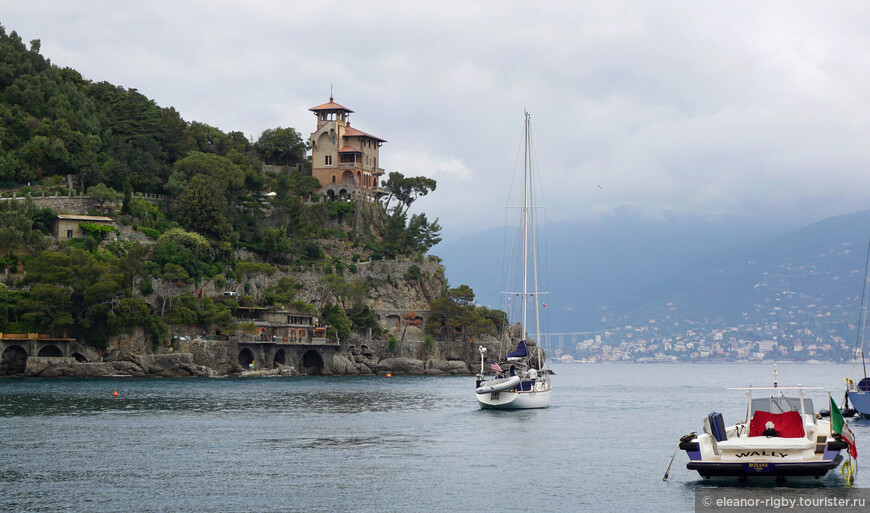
x,y
281,146
187,250
338,209
154,234
312,252
201,208
363,318
145,287
406,190
83,293
339,324
97,231
128,198
108,138
187,309
413,273
23,225
455,316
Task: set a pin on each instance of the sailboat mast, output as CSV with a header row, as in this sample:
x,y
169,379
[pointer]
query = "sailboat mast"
x,y
525,224
533,224
862,318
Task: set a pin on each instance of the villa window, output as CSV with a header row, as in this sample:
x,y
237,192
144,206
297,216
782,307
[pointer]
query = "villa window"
x,y
327,160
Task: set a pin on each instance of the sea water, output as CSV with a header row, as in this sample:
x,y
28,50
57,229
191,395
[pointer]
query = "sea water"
x,y
374,443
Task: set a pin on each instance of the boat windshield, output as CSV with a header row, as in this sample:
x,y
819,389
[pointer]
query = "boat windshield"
x,y
782,405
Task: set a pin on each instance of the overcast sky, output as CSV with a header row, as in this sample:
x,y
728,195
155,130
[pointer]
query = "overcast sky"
x,y
744,107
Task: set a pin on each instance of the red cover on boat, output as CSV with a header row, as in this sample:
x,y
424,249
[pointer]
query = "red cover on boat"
x,y
787,425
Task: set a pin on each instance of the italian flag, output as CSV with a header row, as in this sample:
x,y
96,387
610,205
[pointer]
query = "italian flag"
x,y
839,427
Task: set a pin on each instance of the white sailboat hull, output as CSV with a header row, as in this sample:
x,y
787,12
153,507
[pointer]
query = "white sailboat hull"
x,y
513,400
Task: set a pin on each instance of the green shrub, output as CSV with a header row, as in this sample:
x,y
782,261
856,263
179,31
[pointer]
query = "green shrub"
x,y
149,232
145,287
413,273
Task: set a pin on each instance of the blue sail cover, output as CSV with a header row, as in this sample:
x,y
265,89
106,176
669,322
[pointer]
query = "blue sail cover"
x,y
520,352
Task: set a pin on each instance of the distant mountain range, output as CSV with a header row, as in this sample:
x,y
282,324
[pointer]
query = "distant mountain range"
x,y
629,268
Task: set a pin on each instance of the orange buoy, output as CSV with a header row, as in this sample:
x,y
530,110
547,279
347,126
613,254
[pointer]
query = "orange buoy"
x,y
115,393
389,375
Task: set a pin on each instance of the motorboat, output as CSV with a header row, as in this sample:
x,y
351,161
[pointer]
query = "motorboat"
x,y
781,438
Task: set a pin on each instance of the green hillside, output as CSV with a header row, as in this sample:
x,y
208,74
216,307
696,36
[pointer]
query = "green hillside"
x,y
220,218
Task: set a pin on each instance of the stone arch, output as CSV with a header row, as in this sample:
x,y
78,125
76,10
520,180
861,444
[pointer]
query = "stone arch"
x,y
342,193
312,363
13,360
347,178
50,351
330,194
246,357
80,358
280,358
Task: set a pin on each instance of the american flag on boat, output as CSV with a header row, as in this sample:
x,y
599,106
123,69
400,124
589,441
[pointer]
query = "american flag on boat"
x,y
494,366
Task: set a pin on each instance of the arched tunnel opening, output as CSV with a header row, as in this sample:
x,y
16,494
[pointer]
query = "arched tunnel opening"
x,y
312,363
13,360
246,358
280,359
50,352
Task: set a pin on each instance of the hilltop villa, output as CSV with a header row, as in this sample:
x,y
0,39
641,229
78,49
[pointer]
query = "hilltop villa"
x,y
344,159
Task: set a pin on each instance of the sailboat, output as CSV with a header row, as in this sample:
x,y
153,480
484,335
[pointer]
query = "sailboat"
x,y
521,381
858,395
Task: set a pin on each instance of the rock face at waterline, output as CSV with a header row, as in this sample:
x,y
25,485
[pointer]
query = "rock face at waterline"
x,y
162,365
183,365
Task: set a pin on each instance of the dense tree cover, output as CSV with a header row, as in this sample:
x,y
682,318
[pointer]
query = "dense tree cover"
x,y
78,291
55,122
403,235
454,315
281,147
114,143
24,226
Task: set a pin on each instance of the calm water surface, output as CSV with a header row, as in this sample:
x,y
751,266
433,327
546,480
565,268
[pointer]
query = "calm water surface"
x,y
371,443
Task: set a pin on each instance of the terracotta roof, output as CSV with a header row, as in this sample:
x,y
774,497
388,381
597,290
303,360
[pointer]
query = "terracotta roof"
x,y
353,132
70,217
330,105
348,149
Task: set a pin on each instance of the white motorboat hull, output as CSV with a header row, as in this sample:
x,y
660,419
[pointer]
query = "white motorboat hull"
x,y
780,438
513,400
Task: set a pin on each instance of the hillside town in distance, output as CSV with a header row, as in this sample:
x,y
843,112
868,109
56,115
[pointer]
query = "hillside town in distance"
x,y
774,331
